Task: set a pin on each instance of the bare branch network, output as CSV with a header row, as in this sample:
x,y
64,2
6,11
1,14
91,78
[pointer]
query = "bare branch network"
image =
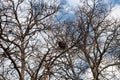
x,y
37,42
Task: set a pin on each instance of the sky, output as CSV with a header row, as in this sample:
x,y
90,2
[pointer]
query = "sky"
x,y
71,4
115,13
74,2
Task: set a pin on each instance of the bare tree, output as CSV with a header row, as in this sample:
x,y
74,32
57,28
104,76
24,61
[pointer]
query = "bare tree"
x,y
98,34
35,45
91,38
21,23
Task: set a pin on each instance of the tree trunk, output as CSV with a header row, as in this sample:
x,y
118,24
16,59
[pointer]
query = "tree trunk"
x,y
95,73
22,61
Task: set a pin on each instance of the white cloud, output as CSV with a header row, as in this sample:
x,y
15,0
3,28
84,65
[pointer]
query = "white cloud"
x,y
115,12
73,3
